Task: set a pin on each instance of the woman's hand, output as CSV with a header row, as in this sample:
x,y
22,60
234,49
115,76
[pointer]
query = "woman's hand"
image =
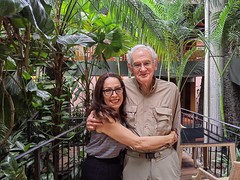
x,y
92,122
174,137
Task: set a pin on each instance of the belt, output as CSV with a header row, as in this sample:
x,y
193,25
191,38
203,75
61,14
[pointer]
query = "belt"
x,y
151,155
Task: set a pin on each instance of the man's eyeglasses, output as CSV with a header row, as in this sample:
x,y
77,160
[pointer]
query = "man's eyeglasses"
x,y
109,92
138,65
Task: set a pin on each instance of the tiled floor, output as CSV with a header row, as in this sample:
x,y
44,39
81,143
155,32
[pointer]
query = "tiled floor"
x,y
188,168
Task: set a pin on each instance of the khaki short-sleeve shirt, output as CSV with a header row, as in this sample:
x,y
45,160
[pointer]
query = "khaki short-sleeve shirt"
x,y
156,113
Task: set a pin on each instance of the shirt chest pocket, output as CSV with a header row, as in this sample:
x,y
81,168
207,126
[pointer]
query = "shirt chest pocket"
x,y
163,116
131,114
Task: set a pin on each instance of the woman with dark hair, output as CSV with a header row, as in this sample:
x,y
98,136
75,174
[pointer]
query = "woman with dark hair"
x,y
103,160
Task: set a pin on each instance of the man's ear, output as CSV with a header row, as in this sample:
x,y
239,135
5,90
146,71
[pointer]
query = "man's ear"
x,y
155,64
130,68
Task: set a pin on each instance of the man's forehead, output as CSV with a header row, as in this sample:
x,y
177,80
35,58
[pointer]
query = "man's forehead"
x,y
142,59
141,54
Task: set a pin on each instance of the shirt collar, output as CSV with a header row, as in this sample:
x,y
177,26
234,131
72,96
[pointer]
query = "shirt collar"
x,y
154,85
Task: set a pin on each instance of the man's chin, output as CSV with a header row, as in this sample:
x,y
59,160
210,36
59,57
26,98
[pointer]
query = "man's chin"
x,y
145,78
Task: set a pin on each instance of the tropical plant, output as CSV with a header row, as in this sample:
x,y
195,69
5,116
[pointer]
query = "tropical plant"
x,y
136,18
25,28
111,41
178,21
17,88
168,26
10,168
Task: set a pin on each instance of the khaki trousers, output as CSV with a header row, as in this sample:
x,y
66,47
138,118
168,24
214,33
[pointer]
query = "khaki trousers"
x,y
152,169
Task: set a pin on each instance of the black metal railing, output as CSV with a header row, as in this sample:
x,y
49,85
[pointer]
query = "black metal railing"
x,y
60,157
197,128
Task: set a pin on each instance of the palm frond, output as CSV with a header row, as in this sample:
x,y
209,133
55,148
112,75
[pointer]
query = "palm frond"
x,y
220,29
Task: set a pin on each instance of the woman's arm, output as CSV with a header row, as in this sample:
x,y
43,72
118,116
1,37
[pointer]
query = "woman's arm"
x,y
125,136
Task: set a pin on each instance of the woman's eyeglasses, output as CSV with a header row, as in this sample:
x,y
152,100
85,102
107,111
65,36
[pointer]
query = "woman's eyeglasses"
x,y
109,91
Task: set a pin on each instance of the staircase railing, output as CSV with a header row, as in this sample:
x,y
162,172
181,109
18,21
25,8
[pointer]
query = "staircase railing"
x,y
39,162
197,128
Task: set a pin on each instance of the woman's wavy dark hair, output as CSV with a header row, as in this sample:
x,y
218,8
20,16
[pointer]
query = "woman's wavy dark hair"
x,y
98,104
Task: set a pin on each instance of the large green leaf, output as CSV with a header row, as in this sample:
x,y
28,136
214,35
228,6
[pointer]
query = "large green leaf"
x,y
32,10
13,170
12,7
32,86
36,13
76,39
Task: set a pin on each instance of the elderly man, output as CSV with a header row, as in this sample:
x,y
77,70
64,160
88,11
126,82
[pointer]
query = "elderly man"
x,y
153,108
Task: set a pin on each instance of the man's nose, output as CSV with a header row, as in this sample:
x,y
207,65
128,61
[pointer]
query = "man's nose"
x,y
142,67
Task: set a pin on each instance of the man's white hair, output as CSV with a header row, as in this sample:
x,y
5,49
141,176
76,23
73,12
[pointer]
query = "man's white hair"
x,y
140,46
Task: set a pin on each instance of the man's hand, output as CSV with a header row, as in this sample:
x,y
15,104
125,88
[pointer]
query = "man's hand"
x,y
92,122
